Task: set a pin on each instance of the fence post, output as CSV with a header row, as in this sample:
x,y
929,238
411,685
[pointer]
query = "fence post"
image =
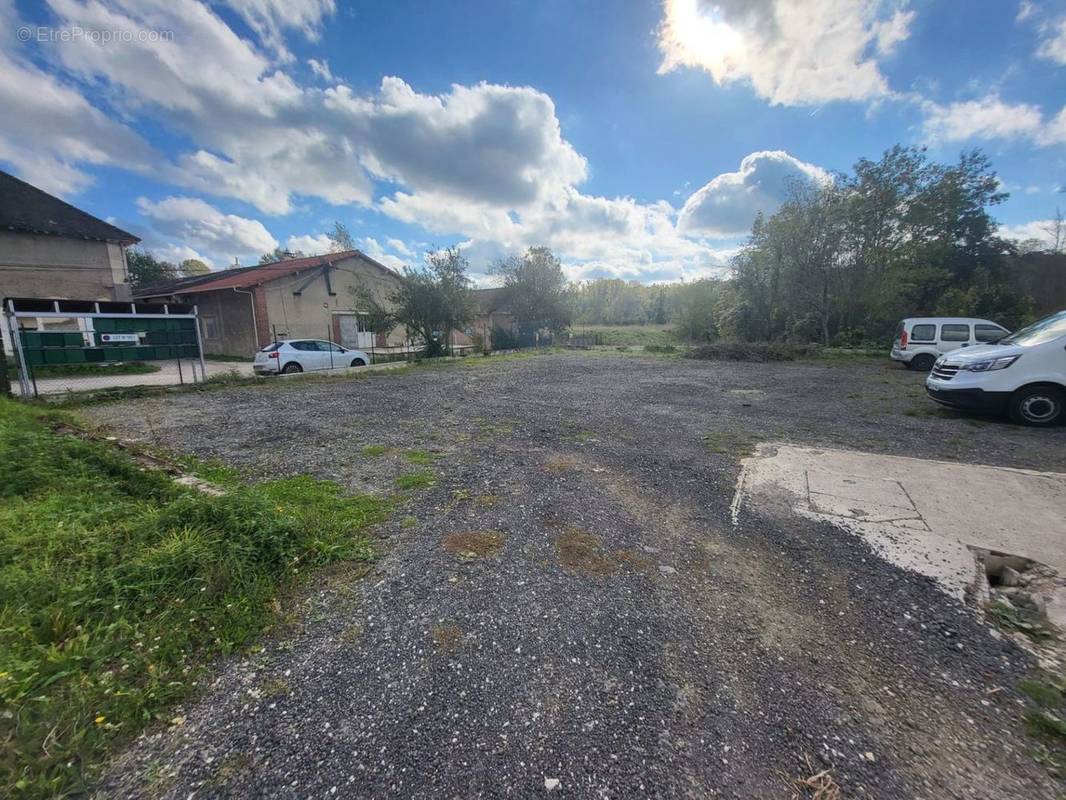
x,y
199,345
5,383
16,338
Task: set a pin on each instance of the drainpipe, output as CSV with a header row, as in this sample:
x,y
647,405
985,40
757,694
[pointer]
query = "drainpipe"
x,y
255,324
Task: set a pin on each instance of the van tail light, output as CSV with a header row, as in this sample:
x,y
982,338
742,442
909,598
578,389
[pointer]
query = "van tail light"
x,y
272,355
903,341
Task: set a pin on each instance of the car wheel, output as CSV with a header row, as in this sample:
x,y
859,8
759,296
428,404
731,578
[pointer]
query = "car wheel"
x,y
923,362
291,368
1039,406
358,363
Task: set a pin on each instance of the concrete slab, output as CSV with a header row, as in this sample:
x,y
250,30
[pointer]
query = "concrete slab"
x,y
920,514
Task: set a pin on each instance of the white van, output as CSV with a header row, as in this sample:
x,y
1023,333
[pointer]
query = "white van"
x,y
921,340
1023,374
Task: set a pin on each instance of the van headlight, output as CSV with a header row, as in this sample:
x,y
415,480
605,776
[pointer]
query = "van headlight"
x,y
990,364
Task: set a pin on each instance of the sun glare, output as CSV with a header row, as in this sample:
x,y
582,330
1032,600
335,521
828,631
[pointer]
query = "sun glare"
x,y
698,37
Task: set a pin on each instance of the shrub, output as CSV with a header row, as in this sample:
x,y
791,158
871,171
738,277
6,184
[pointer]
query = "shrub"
x,y
752,351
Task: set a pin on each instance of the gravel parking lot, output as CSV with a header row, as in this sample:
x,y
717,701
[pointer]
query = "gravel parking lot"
x,y
568,608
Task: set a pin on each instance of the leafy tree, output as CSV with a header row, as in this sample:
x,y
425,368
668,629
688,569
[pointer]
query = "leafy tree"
x,y
340,238
902,236
278,254
435,299
144,269
534,287
193,266
377,316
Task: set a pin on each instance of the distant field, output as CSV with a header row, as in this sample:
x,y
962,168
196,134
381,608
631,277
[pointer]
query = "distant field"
x,y
629,335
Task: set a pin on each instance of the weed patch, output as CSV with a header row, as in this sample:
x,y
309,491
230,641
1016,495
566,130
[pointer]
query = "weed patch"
x,y
752,351
729,443
420,457
416,480
117,585
374,450
473,544
582,551
446,637
1045,719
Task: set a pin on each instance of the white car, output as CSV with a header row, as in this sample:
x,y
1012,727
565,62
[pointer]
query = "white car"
x,y
1023,374
921,340
306,355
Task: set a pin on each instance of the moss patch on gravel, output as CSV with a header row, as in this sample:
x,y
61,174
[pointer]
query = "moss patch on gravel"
x,y
583,552
473,544
416,480
446,637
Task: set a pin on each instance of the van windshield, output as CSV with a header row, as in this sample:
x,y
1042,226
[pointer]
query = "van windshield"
x,y
1045,330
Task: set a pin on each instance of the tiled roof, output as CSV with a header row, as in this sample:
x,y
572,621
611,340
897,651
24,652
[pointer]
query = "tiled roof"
x,y
246,277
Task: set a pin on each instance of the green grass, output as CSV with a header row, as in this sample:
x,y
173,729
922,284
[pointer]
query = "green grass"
x,y
416,480
1045,719
43,371
374,450
627,335
420,457
117,586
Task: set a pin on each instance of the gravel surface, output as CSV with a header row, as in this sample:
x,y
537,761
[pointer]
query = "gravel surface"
x,y
568,609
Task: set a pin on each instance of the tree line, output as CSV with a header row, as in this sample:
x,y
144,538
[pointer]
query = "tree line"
x,y
839,263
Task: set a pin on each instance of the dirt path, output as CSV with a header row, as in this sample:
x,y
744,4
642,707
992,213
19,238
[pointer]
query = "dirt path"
x,y
570,609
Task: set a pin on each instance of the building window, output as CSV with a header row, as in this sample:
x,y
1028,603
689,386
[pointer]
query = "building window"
x,y
211,329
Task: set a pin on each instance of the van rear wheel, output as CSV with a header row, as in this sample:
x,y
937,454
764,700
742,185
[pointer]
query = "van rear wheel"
x,y
1038,406
922,362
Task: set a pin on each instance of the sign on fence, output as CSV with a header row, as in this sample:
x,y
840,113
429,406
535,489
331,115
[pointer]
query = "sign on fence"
x,y
79,344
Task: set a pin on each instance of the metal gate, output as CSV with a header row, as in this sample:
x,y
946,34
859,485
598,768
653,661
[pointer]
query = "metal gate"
x,y
68,345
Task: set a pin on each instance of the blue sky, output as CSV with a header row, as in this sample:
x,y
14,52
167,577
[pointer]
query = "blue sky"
x,y
637,139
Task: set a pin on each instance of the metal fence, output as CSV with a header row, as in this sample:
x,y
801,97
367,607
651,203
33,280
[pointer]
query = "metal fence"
x,y
62,346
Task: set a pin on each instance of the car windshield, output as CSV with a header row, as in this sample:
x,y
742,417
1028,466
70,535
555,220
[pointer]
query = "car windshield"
x,y
270,348
1044,330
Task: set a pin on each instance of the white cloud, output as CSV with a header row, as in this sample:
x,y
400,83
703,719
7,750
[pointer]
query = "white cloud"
x,y
793,52
991,118
310,245
399,246
321,69
270,18
1053,43
1040,229
196,224
727,205
498,144
485,162
49,129
373,248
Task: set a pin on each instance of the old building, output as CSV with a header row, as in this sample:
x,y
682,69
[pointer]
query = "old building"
x,y
49,248
319,297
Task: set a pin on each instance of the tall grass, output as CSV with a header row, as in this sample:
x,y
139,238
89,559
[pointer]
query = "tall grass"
x,y
117,585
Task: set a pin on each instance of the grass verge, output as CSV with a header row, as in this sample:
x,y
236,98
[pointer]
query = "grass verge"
x,y
626,335
117,586
1045,719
